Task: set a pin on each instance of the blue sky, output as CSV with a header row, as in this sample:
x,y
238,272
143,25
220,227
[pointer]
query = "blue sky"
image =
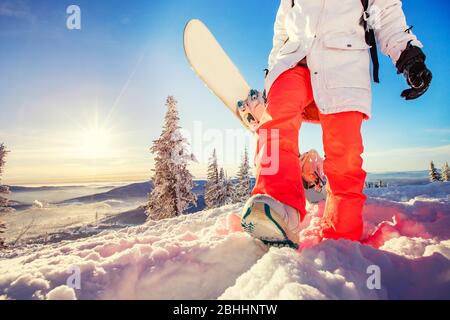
x,y
85,105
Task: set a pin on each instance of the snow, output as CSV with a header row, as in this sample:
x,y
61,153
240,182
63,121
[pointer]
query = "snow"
x,y
50,218
207,256
164,260
439,191
339,270
415,248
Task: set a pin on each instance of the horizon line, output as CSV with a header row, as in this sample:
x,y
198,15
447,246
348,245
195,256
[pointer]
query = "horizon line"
x,y
130,180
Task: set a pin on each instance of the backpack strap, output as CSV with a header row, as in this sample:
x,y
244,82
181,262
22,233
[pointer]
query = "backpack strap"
x,y
370,40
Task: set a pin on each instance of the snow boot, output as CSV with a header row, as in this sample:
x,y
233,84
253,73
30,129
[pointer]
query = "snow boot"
x,y
312,171
271,221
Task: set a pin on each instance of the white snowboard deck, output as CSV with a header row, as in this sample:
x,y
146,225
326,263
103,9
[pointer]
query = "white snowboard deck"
x,y
212,64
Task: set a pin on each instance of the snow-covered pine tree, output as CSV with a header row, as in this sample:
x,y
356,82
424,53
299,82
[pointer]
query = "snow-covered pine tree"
x,y
225,189
2,231
446,173
243,188
228,190
435,176
4,190
222,185
172,194
213,187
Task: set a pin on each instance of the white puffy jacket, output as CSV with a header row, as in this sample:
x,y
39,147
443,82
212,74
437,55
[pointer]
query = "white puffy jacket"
x,y
329,34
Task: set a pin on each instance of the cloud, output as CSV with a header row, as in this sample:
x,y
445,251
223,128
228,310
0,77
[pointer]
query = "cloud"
x,y
62,293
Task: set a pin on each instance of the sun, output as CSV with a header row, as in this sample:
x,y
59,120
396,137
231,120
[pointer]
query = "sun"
x,y
95,141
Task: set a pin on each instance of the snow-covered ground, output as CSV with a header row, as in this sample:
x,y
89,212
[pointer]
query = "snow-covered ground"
x,y
207,256
55,211
43,219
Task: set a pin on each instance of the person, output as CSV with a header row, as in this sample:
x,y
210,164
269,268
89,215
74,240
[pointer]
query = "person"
x,y
319,71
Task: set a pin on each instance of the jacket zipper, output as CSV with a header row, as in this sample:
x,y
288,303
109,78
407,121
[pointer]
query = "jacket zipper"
x,y
320,67
319,21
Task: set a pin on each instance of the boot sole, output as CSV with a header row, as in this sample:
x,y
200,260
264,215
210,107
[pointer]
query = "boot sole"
x,y
261,224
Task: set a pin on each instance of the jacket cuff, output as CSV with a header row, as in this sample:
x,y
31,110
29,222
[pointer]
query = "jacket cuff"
x,y
409,54
397,51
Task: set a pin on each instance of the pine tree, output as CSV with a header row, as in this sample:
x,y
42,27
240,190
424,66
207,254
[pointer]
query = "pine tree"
x,y
223,188
243,188
224,195
228,190
4,190
2,231
213,188
172,194
446,173
435,176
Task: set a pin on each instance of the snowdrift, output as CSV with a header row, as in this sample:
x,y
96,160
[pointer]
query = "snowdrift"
x,y
207,256
341,270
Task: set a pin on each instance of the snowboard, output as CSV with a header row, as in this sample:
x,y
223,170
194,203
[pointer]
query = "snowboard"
x,y
214,67
221,76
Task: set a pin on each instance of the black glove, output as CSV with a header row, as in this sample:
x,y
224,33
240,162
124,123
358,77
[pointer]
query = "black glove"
x,y
412,65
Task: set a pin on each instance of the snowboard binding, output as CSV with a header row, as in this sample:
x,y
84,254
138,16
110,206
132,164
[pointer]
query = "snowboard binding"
x,y
312,171
252,109
272,222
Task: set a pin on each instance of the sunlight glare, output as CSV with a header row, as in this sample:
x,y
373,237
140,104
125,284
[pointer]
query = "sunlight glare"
x,y
95,141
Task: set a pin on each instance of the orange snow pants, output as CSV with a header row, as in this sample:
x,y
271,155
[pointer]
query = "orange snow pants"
x,y
279,130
